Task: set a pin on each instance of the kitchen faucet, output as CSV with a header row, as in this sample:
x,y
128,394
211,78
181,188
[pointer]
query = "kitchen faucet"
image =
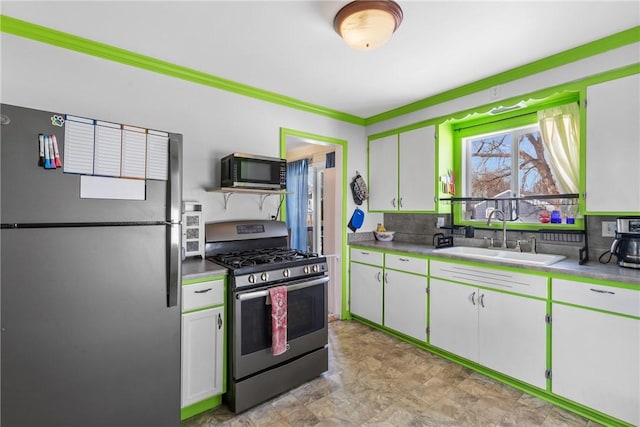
x,y
504,225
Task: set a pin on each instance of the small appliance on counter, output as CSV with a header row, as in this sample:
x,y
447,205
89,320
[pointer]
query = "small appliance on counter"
x,y
192,230
626,246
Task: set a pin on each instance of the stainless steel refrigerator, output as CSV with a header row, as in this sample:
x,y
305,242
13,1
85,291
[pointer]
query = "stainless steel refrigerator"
x,y
90,321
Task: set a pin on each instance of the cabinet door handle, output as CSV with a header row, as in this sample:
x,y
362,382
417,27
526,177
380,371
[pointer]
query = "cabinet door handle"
x,y
379,276
400,202
473,298
482,300
602,291
219,321
386,278
393,202
203,291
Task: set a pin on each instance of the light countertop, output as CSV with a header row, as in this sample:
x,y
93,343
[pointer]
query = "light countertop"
x,y
198,268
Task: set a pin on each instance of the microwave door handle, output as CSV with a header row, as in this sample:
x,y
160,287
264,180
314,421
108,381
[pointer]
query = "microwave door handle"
x,y
295,287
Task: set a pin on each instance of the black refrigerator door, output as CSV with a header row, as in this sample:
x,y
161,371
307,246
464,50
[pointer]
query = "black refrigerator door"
x,y
32,194
87,337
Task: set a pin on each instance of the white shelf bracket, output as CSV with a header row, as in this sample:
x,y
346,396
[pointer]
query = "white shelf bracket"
x,y
226,199
263,197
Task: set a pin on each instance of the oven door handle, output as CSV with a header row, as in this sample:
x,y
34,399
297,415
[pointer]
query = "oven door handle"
x,y
295,287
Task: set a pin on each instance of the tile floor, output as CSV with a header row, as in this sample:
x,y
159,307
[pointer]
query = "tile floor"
x,y
377,380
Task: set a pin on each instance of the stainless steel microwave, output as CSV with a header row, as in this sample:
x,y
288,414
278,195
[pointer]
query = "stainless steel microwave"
x,y
250,171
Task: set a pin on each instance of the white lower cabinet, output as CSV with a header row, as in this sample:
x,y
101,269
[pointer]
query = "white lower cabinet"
x,y
405,303
203,333
202,354
366,292
453,315
512,337
596,354
390,290
504,332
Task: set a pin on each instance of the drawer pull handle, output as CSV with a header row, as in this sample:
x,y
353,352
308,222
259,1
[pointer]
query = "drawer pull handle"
x,y
601,291
404,259
364,253
203,291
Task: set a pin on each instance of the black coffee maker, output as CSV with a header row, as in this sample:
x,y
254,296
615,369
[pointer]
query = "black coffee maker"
x,y
627,244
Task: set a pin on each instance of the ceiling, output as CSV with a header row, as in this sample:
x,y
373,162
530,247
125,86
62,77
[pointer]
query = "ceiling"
x,y
291,48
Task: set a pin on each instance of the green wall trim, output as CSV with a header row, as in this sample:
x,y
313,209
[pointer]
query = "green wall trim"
x,y
344,144
64,40
198,408
623,38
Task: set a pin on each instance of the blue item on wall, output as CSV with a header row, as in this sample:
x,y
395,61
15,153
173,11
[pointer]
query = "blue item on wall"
x,y
356,219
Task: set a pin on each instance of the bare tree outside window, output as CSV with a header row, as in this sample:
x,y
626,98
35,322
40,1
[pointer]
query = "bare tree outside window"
x,y
507,164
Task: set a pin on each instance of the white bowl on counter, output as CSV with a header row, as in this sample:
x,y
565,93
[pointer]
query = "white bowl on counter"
x,y
384,236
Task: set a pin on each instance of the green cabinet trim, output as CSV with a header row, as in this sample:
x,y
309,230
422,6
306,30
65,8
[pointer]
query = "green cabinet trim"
x,y
546,393
488,288
203,279
216,400
623,285
585,307
200,407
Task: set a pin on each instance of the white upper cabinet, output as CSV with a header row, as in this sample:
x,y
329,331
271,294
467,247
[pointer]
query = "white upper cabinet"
x,y
402,171
383,174
613,146
417,170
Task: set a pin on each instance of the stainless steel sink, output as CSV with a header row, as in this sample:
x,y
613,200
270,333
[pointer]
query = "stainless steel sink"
x,y
502,255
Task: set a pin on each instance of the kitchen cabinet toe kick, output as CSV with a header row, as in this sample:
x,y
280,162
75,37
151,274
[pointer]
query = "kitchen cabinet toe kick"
x,y
548,336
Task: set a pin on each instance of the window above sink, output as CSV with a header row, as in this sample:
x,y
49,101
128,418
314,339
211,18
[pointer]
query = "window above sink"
x,y
522,160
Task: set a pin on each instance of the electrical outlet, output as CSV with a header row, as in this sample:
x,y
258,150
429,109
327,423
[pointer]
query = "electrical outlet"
x,y
440,222
495,93
608,229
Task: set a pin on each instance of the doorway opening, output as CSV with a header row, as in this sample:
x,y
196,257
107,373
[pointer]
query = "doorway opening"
x,y
321,230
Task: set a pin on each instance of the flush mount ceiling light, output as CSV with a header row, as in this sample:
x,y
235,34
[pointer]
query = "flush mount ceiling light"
x,y
368,24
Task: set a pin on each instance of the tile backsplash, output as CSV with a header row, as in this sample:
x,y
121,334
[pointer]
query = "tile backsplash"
x,y
421,228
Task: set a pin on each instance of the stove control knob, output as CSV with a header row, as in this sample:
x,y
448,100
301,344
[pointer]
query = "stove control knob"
x,y
315,268
286,272
252,278
305,269
264,277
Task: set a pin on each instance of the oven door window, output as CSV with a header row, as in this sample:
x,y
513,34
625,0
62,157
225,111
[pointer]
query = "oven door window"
x,y
305,314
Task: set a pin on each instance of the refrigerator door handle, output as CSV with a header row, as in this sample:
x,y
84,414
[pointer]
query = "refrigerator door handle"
x,y
174,216
174,264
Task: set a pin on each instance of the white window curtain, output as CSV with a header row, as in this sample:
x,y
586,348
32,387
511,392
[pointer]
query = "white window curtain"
x,y
560,129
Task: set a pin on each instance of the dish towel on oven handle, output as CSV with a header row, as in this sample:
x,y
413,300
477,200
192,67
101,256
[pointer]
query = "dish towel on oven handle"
x,y
278,297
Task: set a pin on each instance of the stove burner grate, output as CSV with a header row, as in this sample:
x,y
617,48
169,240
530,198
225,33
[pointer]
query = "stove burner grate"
x,y
262,256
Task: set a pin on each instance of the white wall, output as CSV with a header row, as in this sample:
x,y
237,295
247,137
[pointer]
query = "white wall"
x,y
574,71
214,122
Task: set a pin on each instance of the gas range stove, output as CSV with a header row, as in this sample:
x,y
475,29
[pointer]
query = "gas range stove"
x,y
270,265
256,253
